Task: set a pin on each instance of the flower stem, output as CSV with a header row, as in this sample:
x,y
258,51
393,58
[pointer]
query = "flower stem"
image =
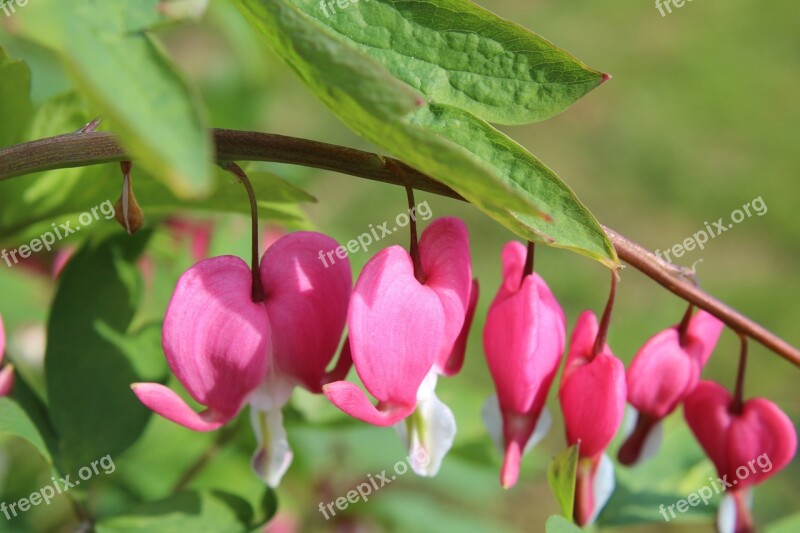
x,y
602,332
414,248
738,394
529,262
683,328
258,289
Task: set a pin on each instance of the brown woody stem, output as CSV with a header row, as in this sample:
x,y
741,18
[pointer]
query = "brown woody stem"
x,y
83,149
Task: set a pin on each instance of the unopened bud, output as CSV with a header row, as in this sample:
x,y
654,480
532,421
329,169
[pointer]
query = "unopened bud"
x,y
127,210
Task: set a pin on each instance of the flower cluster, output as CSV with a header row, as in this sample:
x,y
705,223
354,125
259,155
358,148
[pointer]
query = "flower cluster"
x,y
235,336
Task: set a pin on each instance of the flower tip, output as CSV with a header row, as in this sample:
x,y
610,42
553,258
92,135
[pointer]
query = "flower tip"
x,y
606,77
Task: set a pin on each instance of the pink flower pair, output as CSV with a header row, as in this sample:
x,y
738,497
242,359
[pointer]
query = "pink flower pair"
x,y
228,350
524,342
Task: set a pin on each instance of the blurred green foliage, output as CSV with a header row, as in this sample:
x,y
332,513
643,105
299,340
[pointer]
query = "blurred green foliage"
x,y
700,118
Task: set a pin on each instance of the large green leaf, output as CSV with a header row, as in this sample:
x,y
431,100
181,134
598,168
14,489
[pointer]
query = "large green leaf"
x,y
87,364
559,524
485,167
460,54
570,225
375,104
198,512
125,75
15,102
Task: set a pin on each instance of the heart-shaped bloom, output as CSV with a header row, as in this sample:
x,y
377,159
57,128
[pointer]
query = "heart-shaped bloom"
x,y
592,396
403,332
227,350
662,374
747,446
524,342
7,372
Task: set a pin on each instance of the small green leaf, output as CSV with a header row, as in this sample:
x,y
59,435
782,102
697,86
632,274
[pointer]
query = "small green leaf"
x,y
562,476
15,421
126,76
457,53
15,102
559,524
88,372
198,512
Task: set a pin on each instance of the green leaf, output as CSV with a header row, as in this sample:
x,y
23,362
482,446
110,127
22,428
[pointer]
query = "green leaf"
x,y
198,512
15,102
88,372
562,476
15,421
376,105
570,225
125,75
559,524
460,54
461,151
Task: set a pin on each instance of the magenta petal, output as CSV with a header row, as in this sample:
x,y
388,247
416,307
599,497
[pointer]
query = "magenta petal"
x,y
165,402
702,335
456,358
397,328
215,338
707,413
445,257
761,439
351,399
661,374
307,304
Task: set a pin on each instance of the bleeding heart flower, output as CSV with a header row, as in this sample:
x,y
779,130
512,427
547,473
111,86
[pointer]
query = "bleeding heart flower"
x,y
524,341
747,444
227,350
7,372
592,396
662,374
403,331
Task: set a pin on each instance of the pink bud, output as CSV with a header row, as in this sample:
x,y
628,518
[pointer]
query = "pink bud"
x,y
664,372
592,390
524,341
592,396
738,443
400,327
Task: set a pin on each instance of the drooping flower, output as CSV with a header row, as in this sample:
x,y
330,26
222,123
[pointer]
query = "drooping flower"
x,y
524,342
748,443
403,331
228,350
6,372
592,396
662,374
